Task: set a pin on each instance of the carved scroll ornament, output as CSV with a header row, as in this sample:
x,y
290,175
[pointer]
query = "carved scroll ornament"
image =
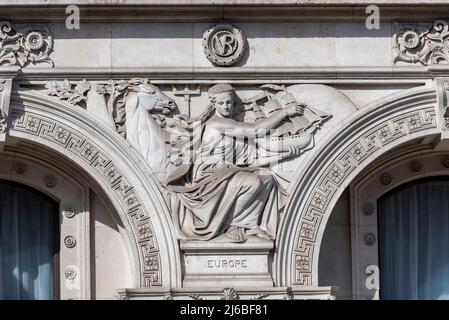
x,y
31,44
422,42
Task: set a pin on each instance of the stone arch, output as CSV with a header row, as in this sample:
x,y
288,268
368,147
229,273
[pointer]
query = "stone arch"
x,y
407,163
353,145
120,172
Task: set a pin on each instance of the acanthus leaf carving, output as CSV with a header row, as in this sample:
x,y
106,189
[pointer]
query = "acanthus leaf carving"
x,y
73,92
31,44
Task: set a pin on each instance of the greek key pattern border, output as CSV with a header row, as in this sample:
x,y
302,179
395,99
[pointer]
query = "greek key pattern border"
x,y
335,173
85,150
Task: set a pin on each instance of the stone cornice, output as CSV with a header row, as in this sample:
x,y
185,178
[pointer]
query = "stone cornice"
x,y
215,2
243,74
221,10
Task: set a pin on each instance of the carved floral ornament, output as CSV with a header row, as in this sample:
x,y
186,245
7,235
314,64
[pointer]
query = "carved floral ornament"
x,y
422,42
72,92
26,45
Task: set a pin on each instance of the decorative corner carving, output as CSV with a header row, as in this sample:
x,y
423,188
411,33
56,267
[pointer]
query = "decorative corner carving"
x,y
422,42
224,44
31,44
73,92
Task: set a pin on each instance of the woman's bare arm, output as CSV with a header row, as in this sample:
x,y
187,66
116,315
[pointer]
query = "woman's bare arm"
x,y
230,127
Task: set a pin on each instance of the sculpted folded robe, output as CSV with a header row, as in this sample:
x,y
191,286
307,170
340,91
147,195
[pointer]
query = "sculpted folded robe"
x,y
220,189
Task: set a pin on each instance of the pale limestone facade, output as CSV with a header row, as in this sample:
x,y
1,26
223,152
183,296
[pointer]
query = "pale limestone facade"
x,y
386,105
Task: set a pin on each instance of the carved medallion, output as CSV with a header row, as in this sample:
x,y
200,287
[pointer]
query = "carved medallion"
x,y
368,209
69,212
369,239
224,44
70,241
20,168
50,181
415,166
70,273
385,179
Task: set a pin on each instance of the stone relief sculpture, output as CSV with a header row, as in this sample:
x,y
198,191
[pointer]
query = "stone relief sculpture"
x,y
219,176
138,110
215,168
30,44
424,43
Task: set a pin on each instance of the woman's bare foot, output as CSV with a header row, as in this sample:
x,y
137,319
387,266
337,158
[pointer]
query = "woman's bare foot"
x,y
259,233
236,234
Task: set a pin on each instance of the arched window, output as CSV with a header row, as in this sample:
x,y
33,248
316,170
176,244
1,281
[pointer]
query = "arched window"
x,y
29,225
413,222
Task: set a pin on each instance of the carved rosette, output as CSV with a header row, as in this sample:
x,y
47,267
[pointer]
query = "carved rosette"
x,y
229,294
423,43
224,44
28,45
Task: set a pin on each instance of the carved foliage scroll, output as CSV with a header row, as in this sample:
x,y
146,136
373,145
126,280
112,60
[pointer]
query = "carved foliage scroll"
x,y
31,44
73,92
423,43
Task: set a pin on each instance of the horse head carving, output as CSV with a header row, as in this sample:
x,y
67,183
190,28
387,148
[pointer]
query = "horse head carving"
x,y
139,109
